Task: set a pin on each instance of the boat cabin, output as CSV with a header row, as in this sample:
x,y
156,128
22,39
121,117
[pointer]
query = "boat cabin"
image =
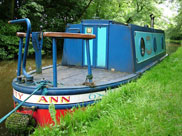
x,y
97,55
117,47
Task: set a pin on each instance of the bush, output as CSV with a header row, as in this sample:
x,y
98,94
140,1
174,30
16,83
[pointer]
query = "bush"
x,y
8,41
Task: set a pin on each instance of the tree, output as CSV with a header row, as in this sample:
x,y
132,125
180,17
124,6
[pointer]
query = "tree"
x,y
53,14
126,11
9,7
174,30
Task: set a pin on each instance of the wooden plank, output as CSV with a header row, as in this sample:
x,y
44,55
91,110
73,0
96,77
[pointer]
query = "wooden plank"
x,y
68,35
22,34
61,35
75,76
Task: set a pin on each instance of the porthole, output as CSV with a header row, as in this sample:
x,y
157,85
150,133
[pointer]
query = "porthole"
x,y
155,45
162,42
142,47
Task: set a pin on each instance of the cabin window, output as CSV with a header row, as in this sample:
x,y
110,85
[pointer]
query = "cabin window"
x,y
162,42
155,45
142,47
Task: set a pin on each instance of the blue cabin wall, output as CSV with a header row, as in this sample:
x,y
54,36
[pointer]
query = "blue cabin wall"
x,y
120,48
116,46
73,48
99,45
111,49
89,30
148,34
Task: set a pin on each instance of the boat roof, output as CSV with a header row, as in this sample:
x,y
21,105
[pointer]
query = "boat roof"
x,y
101,21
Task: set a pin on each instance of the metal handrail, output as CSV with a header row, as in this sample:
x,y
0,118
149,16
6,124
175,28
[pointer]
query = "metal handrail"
x,y
63,35
27,21
54,35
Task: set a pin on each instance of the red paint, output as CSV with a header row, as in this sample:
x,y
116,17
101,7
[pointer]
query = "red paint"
x,y
20,95
53,99
43,99
42,116
65,99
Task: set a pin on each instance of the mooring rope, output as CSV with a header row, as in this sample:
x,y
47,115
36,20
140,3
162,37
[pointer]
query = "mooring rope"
x,y
42,85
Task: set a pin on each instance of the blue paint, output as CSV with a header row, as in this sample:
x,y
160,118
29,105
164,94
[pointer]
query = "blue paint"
x,y
117,46
100,22
88,60
149,49
95,95
152,45
73,30
73,49
37,45
27,21
101,47
90,46
54,51
64,91
22,102
73,90
159,43
139,66
95,47
20,56
120,56
63,106
162,42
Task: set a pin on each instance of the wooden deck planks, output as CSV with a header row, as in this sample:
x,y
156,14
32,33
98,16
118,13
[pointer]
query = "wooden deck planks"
x,y
75,76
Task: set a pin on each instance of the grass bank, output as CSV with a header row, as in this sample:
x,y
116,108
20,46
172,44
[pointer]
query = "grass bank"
x,y
174,41
150,106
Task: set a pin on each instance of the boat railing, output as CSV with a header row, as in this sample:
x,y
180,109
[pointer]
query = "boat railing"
x,y
27,21
63,35
37,44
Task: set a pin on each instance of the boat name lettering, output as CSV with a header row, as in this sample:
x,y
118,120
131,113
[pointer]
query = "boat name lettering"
x,y
55,99
18,94
95,96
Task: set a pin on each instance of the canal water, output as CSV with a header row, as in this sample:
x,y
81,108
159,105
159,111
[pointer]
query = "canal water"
x,y
8,72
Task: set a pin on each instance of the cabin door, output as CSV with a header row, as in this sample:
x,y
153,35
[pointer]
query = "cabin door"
x,y
98,46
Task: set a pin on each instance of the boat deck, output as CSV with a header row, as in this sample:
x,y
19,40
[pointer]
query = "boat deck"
x,y
76,76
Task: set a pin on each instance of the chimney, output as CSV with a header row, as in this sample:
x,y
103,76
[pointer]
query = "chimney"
x,y
152,20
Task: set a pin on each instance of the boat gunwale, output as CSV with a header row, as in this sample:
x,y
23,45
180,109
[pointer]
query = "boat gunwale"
x,y
88,90
84,89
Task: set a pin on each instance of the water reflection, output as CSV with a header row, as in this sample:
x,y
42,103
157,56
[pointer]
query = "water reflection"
x,y
7,73
171,47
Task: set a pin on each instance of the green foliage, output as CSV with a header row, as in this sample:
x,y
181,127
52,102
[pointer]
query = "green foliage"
x,y
174,30
126,11
8,40
33,11
53,15
7,8
149,106
19,123
52,112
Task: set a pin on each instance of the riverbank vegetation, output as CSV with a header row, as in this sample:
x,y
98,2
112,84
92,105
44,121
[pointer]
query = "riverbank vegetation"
x,y
53,15
151,105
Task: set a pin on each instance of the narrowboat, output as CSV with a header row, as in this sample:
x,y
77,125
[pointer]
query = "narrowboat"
x,y
97,55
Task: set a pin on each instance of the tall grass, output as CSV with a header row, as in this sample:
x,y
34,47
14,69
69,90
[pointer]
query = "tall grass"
x,y
151,106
